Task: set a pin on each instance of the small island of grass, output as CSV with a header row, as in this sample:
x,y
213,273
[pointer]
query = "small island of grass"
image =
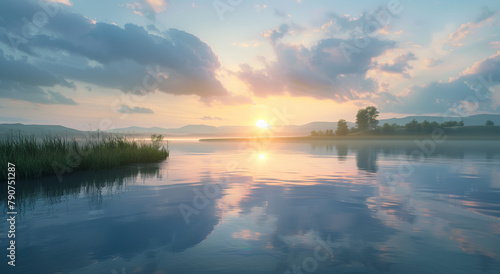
x,y
53,155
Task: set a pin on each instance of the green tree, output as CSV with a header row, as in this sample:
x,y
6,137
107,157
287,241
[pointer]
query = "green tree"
x,y
372,113
362,119
366,118
354,130
413,126
434,125
427,126
489,123
450,124
387,129
342,128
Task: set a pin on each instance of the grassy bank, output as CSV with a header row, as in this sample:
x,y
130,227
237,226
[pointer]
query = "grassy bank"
x,y
54,155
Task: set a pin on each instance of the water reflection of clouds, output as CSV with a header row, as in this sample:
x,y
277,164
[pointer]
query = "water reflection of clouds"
x,y
276,207
247,234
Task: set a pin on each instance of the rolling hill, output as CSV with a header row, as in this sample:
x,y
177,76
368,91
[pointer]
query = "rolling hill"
x,y
230,131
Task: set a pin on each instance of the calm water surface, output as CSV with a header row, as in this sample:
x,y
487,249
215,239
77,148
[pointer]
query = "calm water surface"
x,y
346,207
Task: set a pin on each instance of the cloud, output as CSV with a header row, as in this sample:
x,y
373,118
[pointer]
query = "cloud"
x,y
494,44
433,62
372,22
22,71
277,33
469,92
456,38
490,65
20,91
332,68
20,80
157,5
251,44
64,2
486,13
130,110
259,7
210,118
116,57
58,98
399,65
136,8
321,71
152,28
147,8
280,13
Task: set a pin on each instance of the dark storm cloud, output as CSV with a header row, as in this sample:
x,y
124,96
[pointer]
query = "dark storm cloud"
x,y
182,64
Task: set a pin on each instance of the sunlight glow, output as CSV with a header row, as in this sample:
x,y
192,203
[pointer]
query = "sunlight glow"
x,y
262,124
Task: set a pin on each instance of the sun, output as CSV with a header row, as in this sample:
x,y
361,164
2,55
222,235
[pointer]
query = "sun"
x,y
262,124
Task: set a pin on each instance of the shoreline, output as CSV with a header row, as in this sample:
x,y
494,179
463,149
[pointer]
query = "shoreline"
x,y
450,137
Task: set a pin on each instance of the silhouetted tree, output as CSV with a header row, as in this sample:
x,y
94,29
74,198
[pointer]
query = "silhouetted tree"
x,y
489,123
342,128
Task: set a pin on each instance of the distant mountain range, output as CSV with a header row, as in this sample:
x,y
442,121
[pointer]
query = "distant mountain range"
x,y
204,130
474,120
6,129
240,131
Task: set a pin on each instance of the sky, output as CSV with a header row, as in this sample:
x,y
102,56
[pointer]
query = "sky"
x,y
89,64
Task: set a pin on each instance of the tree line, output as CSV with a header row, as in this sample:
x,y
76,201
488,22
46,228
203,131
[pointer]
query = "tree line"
x,y
367,122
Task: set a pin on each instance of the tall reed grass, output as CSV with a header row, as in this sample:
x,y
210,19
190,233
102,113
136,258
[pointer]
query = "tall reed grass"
x,y
35,157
